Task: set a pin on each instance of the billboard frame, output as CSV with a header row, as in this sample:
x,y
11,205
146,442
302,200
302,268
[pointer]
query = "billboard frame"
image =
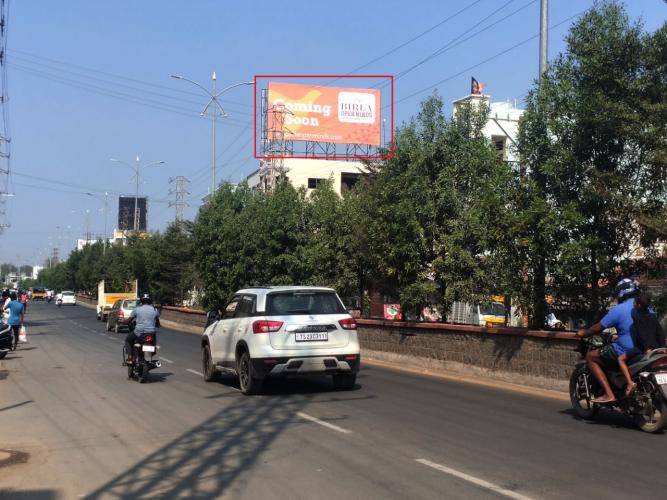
x,y
392,144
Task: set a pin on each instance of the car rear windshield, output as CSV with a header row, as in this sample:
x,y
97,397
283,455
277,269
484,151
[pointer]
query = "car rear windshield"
x,y
68,293
303,302
38,290
130,304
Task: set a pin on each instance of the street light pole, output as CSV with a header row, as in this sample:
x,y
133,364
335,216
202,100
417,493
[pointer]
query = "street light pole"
x,y
213,100
137,168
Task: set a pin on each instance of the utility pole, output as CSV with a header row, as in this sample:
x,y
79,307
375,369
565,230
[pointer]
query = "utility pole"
x,y
544,35
180,193
215,105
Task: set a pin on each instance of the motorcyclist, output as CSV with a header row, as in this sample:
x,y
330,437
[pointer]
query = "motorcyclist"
x,y
146,320
619,317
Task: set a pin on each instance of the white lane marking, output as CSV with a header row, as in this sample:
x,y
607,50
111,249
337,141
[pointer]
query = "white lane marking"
x,y
193,371
162,358
323,423
474,480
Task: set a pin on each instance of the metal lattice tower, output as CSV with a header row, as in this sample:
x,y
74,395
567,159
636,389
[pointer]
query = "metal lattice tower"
x,y
274,143
4,118
180,193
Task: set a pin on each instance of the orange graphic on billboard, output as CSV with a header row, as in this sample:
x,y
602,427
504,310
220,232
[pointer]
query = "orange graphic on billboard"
x,y
324,114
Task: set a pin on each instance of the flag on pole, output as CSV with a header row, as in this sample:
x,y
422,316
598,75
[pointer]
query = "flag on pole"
x,y
476,88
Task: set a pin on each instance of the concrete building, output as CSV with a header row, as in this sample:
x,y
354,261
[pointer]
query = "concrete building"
x,y
35,271
502,127
311,171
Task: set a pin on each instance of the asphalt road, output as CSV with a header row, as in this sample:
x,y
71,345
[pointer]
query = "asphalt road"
x,y
83,430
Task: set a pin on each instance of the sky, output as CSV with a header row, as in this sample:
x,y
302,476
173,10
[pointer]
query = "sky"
x,y
89,81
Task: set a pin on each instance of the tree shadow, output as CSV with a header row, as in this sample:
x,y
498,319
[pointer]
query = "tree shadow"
x,y
210,458
29,494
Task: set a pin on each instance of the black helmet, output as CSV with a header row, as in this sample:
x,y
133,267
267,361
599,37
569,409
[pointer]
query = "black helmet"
x,y
626,288
145,299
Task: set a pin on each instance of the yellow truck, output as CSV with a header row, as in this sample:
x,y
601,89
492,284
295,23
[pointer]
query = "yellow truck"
x,y
106,300
38,294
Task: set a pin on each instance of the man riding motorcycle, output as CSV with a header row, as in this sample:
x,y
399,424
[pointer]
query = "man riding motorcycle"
x,y
619,317
146,320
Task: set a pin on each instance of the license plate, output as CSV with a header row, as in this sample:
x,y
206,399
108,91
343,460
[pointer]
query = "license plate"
x,y
661,378
311,336
148,348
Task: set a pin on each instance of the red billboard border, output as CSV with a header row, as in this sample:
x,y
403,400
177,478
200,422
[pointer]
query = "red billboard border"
x,y
392,144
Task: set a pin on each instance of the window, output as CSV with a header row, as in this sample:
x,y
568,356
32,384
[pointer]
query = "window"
x,y
230,310
130,304
116,305
499,145
303,302
246,307
313,183
348,180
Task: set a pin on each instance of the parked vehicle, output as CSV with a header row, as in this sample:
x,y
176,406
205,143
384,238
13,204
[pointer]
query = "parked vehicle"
x,y
106,300
66,298
118,317
491,314
6,339
282,332
143,358
647,405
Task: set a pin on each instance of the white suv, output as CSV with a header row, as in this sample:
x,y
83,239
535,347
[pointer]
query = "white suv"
x,y
281,331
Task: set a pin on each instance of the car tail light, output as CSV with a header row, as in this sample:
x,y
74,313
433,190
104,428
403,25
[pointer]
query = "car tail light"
x,y
659,363
121,314
348,324
264,326
149,339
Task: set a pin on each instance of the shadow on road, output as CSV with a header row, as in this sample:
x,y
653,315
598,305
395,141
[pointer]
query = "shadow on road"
x,y
30,495
605,418
210,458
15,405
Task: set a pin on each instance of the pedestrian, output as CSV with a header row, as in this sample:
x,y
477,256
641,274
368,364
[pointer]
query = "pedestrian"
x,y
16,312
24,301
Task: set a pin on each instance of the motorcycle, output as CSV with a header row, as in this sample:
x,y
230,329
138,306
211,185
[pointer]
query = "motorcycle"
x,y
59,302
647,405
143,357
6,339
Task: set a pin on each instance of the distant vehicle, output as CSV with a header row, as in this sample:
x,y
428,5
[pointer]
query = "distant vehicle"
x,y
66,298
38,294
282,332
118,316
491,314
106,300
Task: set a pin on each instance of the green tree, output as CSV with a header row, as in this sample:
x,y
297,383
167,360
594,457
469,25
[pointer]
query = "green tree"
x,y
593,144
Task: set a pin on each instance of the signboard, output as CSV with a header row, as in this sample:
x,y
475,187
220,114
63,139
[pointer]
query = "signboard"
x,y
324,114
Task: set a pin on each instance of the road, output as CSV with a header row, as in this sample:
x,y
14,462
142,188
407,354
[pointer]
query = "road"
x,y
83,430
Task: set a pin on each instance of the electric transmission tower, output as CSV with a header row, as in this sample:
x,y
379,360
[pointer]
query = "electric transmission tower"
x,y
180,193
4,118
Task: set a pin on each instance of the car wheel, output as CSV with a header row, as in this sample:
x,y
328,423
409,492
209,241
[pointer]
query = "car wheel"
x,y
108,326
248,382
344,381
210,373
116,328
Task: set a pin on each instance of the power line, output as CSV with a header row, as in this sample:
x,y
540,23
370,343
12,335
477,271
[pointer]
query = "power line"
x,y
498,54
180,193
414,38
120,77
151,103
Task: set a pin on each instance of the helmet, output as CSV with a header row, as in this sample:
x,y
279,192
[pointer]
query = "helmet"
x,y
145,299
626,288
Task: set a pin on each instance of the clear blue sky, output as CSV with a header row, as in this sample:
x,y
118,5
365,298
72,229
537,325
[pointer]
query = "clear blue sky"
x,y
65,125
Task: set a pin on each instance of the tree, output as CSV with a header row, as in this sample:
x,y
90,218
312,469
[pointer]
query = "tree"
x,y
593,141
435,212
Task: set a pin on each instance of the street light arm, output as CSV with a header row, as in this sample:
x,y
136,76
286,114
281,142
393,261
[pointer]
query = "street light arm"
x,y
123,163
181,77
231,87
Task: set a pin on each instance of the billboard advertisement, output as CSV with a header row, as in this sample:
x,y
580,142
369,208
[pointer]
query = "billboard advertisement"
x,y
126,212
324,114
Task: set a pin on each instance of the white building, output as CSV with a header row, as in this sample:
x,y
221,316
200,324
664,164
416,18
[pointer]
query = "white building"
x,y
502,127
309,172
35,271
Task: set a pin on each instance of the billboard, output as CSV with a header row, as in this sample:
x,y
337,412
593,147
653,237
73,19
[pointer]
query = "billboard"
x,y
126,213
324,114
